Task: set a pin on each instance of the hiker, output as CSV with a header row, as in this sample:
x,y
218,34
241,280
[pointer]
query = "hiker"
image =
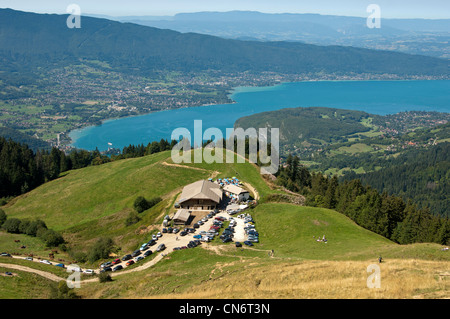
x,y
380,259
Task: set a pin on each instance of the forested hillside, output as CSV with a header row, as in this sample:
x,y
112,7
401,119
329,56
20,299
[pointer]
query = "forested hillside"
x,y
422,175
388,215
44,39
22,169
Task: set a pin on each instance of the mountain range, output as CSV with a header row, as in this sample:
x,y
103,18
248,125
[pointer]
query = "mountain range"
x,y
35,40
416,36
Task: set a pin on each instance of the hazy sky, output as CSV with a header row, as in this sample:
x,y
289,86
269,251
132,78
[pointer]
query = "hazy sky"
x,y
432,9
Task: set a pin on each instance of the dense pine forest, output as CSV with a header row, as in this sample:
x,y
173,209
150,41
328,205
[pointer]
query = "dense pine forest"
x,y
422,175
22,169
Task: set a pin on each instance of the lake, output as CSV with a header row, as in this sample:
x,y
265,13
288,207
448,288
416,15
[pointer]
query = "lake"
x,y
375,97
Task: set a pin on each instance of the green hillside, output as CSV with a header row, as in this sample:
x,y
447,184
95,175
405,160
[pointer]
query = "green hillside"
x,y
94,192
291,231
93,202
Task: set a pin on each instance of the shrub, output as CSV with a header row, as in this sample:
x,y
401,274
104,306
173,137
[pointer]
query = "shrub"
x,y
34,226
51,238
12,225
3,217
141,204
101,249
62,291
132,218
104,277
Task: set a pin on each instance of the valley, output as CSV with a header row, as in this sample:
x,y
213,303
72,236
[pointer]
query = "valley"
x,y
94,204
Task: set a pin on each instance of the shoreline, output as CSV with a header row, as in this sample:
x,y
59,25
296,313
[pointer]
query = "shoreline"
x,y
233,91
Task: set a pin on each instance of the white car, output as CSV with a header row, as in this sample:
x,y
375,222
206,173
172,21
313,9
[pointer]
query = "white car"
x,y
44,261
74,268
154,237
158,234
29,258
88,271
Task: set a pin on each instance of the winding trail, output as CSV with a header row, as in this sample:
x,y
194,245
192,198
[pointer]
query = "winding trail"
x,y
42,273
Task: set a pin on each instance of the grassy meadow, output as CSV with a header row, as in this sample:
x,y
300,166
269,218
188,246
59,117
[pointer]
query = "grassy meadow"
x,y
94,202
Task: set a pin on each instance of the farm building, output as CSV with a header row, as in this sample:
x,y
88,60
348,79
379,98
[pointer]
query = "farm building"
x,y
181,217
237,192
200,195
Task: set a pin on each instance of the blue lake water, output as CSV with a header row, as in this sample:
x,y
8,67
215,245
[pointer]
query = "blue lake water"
x,y
375,97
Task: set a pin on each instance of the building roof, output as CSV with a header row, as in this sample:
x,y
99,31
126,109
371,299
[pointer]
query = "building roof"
x,y
182,214
201,190
234,189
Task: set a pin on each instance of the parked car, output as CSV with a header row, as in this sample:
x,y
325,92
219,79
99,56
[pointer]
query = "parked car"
x,y
238,244
106,269
130,262
164,230
248,243
205,238
127,257
148,253
183,233
159,235
116,261
154,237
118,267
60,265
6,255
196,226
75,268
138,258
88,271
175,230
29,258
151,242
197,236
136,253
161,247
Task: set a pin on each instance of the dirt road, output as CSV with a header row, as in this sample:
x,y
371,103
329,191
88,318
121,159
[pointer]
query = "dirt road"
x,y
32,270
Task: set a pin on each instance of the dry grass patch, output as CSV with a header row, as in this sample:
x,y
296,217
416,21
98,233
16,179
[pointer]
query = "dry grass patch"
x,y
403,279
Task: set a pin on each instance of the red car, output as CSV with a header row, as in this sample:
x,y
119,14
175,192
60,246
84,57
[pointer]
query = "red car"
x,y
116,261
130,262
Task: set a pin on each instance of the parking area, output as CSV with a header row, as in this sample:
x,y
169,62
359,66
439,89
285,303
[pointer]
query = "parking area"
x,y
230,223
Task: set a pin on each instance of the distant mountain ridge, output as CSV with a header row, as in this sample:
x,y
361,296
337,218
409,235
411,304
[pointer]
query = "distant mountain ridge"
x,y
45,39
415,36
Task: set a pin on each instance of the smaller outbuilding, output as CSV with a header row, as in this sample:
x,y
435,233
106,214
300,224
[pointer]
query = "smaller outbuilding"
x,y
237,192
181,217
